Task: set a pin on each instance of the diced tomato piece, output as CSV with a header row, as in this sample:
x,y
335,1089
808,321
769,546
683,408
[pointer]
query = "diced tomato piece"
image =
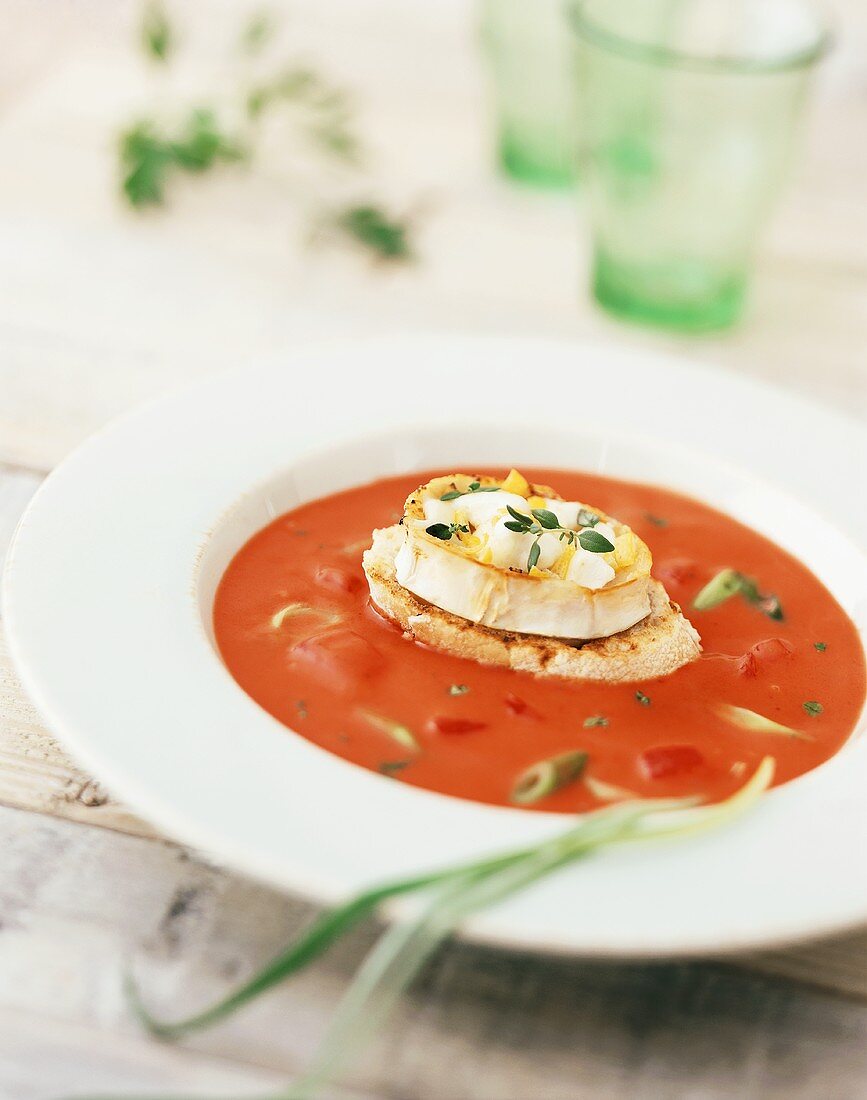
x,y
337,580
340,659
515,705
444,724
664,761
677,571
764,653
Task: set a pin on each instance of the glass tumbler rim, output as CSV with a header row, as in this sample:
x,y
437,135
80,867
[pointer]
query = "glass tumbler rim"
x,y
667,57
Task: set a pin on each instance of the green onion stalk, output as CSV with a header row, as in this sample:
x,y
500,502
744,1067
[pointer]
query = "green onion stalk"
x,y
451,896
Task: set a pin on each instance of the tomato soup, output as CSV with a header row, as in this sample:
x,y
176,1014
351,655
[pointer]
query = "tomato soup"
x,y
296,629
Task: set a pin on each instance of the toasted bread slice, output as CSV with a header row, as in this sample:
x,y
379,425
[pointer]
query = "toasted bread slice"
x,y
656,646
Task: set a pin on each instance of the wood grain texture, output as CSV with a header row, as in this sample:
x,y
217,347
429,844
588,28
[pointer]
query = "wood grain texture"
x,y
77,903
100,309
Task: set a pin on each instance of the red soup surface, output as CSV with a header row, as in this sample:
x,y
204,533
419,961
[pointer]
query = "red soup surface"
x,y
349,681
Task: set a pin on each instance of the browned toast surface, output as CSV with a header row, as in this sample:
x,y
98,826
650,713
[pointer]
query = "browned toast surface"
x,y
656,646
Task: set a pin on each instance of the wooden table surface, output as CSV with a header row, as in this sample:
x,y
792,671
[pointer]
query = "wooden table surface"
x,y
100,310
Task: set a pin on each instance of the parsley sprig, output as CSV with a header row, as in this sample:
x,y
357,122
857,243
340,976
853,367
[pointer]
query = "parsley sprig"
x,y
543,520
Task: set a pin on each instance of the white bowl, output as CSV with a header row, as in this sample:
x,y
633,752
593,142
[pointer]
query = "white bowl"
x,y
110,582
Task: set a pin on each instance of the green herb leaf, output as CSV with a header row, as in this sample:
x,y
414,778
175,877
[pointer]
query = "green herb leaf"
x,y
595,542
548,520
392,767
595,720
440,531
157,37
533,556
458,689
257,33
813,708
522,519
513,525
547,776
475,487
820,646
643,699
378,231
769,605
587,518
149,158
657,521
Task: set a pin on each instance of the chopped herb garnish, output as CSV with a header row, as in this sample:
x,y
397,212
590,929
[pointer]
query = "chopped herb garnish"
x,y
548,776
729,582
458,689
543,520
372,226
813,708
474,487
150,157
157,37
444,531
257,33
587,518
595,720
643,699
657,521
820,646
392,767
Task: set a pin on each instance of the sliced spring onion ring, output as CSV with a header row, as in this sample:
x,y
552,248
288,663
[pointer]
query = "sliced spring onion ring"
x,y
356,547
547,776
721,588
400,734
607,792
293,609
757,723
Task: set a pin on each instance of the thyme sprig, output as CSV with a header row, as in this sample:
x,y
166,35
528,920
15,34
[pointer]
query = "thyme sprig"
x,y
543,520
445,531
474,487
153,152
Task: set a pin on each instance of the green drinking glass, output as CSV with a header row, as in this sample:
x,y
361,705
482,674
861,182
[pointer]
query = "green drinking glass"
x,y
527,43
689,111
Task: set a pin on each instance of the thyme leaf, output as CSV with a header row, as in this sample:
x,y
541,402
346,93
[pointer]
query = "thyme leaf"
x,y
594,542
157,36
444,531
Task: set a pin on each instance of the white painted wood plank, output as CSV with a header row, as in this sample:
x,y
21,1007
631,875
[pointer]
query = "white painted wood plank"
x,y
76,903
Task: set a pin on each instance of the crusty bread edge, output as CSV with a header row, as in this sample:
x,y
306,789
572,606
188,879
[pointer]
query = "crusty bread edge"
x,y
657,646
